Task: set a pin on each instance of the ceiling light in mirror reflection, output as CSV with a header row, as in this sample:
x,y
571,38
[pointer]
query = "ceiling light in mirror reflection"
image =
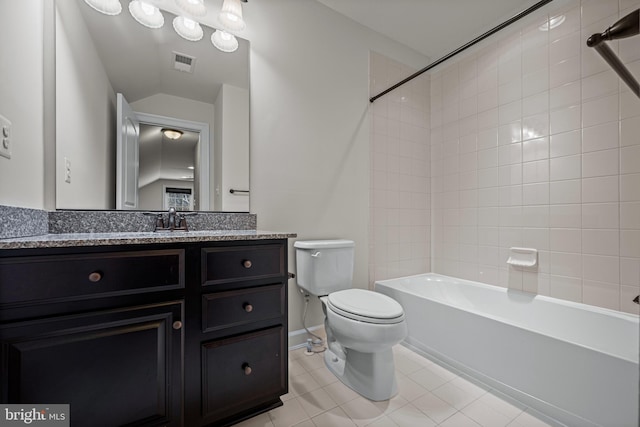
x,y
146,14
172,133
231,15
187,28
192,7
150,16
108,7
224,41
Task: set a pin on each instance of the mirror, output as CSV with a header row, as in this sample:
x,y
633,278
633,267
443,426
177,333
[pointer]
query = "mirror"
x,y
165,79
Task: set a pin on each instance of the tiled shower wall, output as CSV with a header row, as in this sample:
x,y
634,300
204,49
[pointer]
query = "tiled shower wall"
x,y
535,142
531,140
399,194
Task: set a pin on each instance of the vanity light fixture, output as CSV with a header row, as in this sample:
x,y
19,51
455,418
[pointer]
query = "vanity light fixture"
x,y
192,7
231,16
224,41
172,134
187,28
146,14
108,7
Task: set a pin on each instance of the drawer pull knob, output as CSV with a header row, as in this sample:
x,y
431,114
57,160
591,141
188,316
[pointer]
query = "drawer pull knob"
x,y
96,276
177,325
247,369
247,263
248,307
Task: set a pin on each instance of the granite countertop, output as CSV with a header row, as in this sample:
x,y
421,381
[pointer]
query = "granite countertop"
x,y
137,238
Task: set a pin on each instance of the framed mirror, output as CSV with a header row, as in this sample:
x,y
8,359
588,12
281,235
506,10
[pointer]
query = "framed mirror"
x,y
167,81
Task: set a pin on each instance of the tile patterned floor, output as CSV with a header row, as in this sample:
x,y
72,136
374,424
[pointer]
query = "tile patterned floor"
x,y
428,395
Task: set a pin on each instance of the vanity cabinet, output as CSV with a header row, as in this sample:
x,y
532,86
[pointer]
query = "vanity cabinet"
x,y
184,334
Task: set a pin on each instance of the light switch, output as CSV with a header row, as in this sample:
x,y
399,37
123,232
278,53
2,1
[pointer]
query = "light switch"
x,y
5,137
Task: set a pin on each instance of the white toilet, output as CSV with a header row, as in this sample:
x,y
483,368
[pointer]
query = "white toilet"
x,y
361,325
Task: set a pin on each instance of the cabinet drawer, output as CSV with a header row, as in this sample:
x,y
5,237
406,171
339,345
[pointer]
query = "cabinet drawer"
x,y
73,277
234,308
242,371
223,265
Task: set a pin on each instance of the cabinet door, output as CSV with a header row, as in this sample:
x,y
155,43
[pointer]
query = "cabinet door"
x,y
115,367
242,372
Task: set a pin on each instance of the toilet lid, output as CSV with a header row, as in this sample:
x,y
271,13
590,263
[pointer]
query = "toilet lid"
x,y
366,306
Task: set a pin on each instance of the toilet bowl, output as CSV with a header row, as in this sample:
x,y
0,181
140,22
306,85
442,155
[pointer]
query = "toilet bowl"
x,y
360,340
362,326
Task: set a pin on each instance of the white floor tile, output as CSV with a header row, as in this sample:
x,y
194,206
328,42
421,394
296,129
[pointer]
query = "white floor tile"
x,y
340,393
509,408
391,405
485,415
409,389
454,396
383,422
410,416
405,364
296,368
305,423
312,362
335,417
427,379
262,420
436,408
301,384
316,402
323,376
459,420
362,411
290,414
525,419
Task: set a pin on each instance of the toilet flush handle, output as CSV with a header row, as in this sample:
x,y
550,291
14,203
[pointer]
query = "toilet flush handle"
x,y
316,254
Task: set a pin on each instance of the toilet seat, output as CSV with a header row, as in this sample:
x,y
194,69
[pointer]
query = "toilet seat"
x,y
365,306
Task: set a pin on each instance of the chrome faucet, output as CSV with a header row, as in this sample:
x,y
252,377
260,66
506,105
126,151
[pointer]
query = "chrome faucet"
x,y
175,221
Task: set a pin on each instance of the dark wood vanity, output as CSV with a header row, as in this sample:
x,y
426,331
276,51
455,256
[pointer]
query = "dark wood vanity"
x,y
163,334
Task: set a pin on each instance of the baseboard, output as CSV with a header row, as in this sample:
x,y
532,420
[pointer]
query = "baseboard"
x,y
298,339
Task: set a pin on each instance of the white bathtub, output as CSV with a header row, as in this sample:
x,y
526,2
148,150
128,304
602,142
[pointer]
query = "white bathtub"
x,y
575,363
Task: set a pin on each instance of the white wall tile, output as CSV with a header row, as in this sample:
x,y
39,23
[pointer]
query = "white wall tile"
x,y
562,168
600,242
601,268
565,264
565,95
630,215
600,215
630,159
565,144
563,192
565,216
600,137
565,240
565,119
630,243
600,163
600,190
534,141
567,288
630,187
601,294
600,110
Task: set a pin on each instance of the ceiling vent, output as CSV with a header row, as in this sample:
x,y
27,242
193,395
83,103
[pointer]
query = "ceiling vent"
x,y
182,62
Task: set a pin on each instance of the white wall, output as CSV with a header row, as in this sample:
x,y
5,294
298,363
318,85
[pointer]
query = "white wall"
x,y
400,219
231,152
21,101
85,117
535,143
162,104
310,127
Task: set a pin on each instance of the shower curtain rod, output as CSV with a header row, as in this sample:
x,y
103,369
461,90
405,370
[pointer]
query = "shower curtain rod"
x,y
464,47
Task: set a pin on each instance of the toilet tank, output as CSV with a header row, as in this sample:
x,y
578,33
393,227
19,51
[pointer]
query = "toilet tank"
x,y
324,266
